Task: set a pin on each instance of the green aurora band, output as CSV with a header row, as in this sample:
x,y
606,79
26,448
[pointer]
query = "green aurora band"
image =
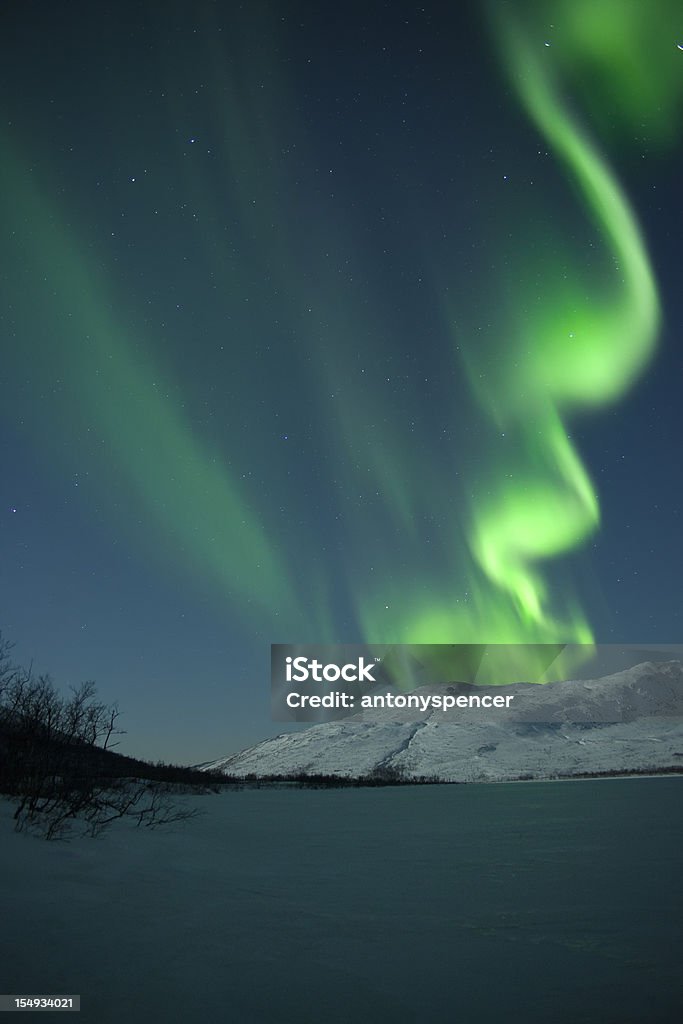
x,y
576,352
581,345
103,389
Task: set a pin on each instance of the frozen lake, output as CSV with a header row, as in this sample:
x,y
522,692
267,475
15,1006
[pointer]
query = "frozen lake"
x,y
535,902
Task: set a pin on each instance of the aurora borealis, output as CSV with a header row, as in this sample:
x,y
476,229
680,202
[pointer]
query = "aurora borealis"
x,y
576,352
329,326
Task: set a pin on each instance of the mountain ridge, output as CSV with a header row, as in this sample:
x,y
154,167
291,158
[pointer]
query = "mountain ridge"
x,y
630,720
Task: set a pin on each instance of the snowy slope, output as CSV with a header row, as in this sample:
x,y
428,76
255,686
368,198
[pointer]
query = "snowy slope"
x,y
630,720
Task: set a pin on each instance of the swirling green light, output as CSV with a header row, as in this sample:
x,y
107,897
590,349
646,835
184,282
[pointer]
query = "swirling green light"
x,y
580,349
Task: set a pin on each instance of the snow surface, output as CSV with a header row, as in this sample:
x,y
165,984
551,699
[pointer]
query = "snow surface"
x,y
630,720
537,902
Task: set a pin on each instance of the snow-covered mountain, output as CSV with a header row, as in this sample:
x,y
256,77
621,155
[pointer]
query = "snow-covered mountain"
x,y
630,720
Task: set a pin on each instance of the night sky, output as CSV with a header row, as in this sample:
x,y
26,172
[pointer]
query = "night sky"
x,y
329,324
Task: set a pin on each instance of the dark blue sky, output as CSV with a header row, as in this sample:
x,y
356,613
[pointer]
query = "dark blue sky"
x,y
246,247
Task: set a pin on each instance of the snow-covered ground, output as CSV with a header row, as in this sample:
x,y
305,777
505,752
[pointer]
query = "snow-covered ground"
x,y
414,905
630,720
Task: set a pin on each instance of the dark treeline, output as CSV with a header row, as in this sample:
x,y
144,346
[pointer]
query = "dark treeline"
x,y
388,776
611,773
394,777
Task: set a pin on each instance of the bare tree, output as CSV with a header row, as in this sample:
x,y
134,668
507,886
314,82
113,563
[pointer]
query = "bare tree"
x,y
56,760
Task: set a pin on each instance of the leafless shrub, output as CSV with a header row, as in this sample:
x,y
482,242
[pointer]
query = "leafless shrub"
x,y
56,760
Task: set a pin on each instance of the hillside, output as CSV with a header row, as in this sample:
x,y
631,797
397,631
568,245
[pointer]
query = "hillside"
x,y
629,721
